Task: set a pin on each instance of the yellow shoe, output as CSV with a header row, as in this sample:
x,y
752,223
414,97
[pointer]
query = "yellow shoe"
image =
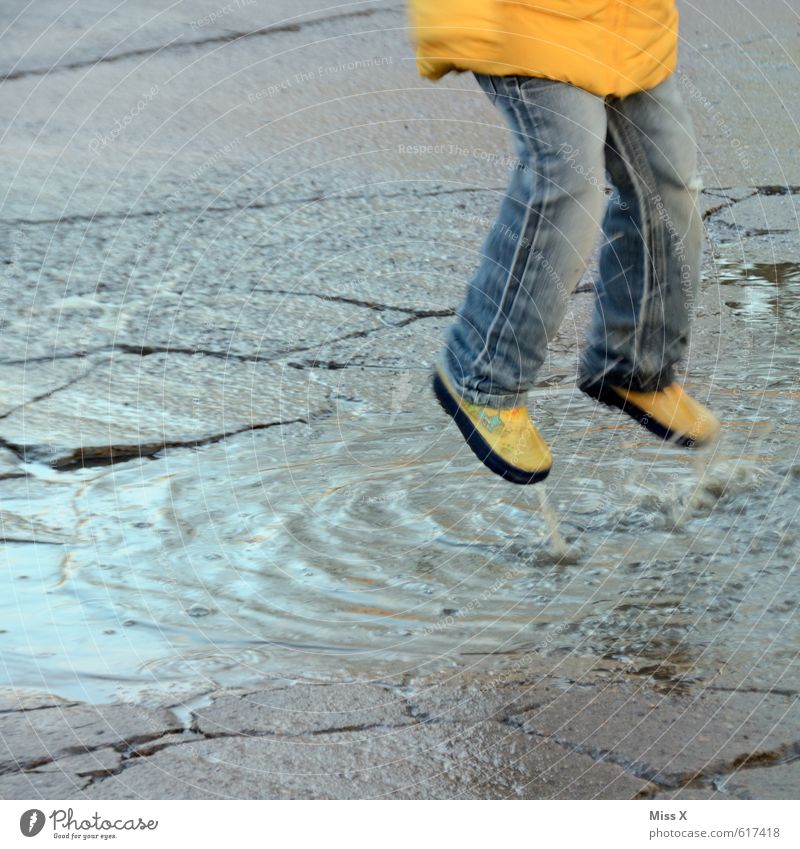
x,y
670,413
505,441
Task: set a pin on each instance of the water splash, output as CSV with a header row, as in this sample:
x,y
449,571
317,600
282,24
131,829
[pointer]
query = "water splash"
x,y
558,548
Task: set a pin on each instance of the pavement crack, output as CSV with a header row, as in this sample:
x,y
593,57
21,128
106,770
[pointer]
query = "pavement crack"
x,y
49,358
777,189
765,691
440,313
715,209
106,455
51,392
358,302
132,754
348,729
256,733
361,334
198,212
136,752
785,754
731,202
139,350
766,231
21,710
32,542
596,753
336,365
148,350
763,191
175,45
670,781
19,450
341,299
121,746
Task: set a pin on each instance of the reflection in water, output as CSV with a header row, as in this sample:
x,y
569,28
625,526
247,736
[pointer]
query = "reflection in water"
x,y
318,551
753,289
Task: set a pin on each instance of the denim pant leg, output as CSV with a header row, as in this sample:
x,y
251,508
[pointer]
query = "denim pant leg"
x,y
540,243
650,259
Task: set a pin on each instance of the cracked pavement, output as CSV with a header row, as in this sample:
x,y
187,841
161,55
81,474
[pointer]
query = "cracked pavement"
x,y
208,218
458,735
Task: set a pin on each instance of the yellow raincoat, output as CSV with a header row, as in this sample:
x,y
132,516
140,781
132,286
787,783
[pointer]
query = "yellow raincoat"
x,y
609,47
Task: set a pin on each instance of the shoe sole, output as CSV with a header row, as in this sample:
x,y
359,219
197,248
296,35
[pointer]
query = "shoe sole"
x,y
610,398
476,442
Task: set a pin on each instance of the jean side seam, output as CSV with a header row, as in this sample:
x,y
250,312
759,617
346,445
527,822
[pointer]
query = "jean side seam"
x,y
518,278
510,280
541,182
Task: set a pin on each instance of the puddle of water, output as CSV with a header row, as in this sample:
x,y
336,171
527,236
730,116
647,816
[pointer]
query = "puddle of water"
x,y
360,545
347,563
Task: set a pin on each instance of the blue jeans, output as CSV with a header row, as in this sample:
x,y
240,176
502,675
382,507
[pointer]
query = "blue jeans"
x,y
567,139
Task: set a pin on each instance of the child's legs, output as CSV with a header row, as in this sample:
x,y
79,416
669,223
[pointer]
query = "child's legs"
x,y
650,259
538,248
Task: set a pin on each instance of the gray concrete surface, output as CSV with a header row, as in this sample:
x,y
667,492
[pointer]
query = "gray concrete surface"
x,y
446,736
223,197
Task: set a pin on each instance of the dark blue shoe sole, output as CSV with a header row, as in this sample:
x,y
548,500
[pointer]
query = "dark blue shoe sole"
x,y
476,442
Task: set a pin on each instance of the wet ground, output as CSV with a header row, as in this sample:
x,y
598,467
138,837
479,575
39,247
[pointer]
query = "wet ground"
x,y
230,507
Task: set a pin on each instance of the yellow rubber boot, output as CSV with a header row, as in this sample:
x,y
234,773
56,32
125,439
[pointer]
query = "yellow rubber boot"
x,y
505,441
671,413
